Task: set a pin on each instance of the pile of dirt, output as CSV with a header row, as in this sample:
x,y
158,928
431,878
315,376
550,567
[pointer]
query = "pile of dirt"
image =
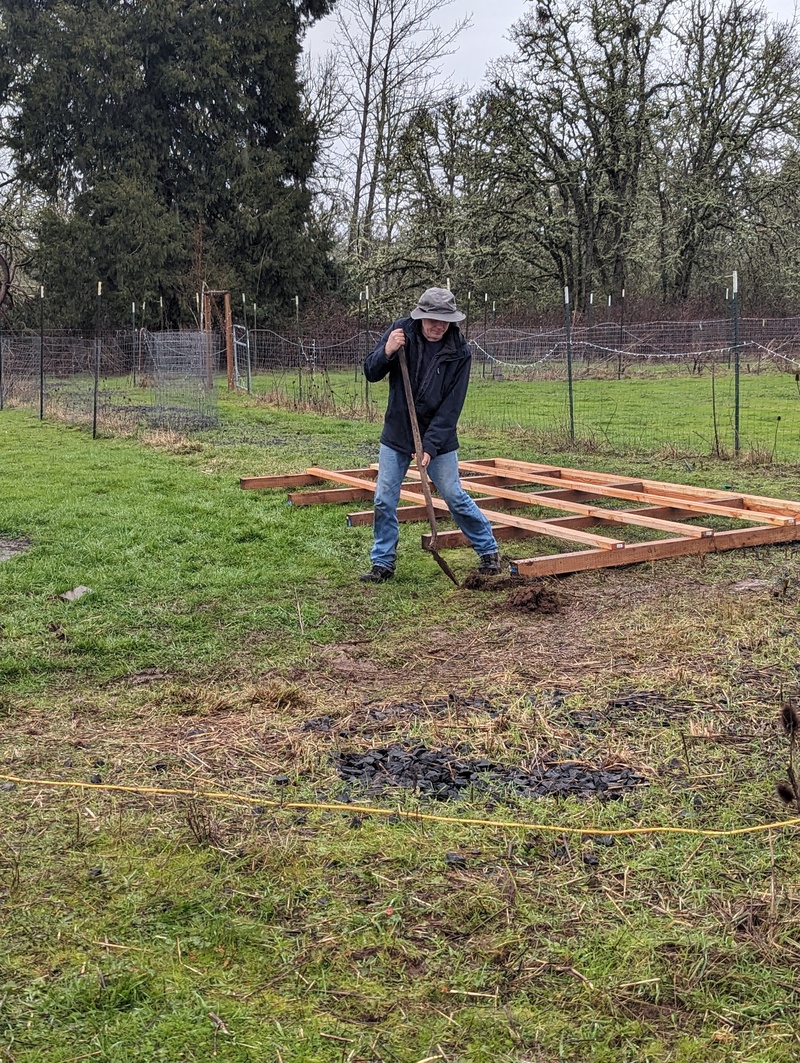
x,y
443,775
535,598
528,596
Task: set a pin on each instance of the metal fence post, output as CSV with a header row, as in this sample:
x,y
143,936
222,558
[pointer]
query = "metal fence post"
x,y
41,353
299,349
485,321
569,367
133,341
736,435
367,343
96,390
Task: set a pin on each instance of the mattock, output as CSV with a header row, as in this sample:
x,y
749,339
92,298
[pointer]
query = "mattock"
x,y
423,472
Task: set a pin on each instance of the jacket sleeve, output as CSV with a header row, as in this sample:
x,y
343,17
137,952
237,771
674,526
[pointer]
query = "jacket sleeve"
x,y
377,365
446,417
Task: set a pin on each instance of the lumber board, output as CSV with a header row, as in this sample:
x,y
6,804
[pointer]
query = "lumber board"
x,y
692,504
419,513
411,513
538,527
584,560
300,479
332,494
404,514
452,539
266,483
612,516
758,503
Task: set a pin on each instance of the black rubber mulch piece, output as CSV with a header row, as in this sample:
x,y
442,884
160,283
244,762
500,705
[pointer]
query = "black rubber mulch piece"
x,y
443,776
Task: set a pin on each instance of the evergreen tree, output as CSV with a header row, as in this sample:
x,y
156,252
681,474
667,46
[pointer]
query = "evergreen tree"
x,y
168,140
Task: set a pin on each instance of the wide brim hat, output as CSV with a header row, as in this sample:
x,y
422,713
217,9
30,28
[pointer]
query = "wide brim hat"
x,y
439,304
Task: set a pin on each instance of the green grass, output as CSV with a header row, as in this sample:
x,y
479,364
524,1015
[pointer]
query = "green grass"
x,y
220,622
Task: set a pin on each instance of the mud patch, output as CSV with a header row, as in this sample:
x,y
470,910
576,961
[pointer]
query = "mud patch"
x,y
11,547
444,775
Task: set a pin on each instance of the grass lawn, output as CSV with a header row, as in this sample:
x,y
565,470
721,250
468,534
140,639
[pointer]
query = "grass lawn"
x,y
227,646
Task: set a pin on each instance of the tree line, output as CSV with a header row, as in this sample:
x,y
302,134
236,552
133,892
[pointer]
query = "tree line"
x,y
647,147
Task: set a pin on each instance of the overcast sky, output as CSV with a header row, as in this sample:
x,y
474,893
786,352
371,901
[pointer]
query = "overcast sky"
x,y
486,39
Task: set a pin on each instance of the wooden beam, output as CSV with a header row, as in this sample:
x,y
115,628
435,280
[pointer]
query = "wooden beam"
x,y
538,527
612,516
332,494
691,504
581,561
404,514
266,483
419,513
300,479
453,539
757,503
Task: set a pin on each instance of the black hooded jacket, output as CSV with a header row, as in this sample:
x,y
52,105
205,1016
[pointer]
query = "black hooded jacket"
x,y
439,392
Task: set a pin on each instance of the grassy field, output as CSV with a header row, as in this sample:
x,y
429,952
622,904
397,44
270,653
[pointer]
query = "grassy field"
x,y
227,647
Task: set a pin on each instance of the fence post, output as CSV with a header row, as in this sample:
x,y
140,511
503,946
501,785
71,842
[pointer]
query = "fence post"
x,y
96,390
466,323
366,342
41,352
569,367
356,365
133,341
254,356
299,349
736,436
226,302
485,320
249,358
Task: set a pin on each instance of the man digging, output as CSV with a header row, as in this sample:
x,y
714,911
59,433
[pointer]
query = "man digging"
x,y
438,360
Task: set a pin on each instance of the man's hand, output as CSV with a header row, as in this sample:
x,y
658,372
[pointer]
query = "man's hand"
x,y
397,339
426,459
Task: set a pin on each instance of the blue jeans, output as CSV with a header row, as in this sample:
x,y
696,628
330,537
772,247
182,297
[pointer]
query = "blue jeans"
x,y
443,471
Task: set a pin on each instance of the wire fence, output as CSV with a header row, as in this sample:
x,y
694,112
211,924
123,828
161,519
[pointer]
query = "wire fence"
x,y
720,387
723,386
115,384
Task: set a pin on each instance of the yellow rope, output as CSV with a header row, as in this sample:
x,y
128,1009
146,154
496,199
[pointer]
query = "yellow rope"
x,y
214,795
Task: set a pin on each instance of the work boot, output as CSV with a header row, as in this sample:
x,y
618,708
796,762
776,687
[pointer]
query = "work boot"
x,y
378,574
490,565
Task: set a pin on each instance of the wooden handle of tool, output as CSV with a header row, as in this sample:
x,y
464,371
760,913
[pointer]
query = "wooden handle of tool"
x,y
423,473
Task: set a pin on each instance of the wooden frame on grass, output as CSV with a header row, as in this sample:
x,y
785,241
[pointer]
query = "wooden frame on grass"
x,y
502,485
